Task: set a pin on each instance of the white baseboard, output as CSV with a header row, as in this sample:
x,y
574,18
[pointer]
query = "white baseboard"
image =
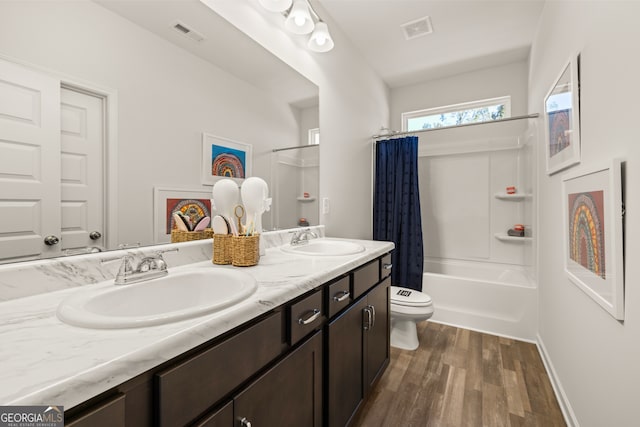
x,y
563,401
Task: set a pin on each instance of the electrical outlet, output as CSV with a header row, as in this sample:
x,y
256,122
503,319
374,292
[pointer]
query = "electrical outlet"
x,y
326,206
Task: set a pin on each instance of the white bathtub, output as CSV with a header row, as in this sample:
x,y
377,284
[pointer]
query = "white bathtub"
x,y
499,299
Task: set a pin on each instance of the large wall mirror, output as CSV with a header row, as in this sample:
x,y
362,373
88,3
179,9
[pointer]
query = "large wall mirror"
x,y
104,103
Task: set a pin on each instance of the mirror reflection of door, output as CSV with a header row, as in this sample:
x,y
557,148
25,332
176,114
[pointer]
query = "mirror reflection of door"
x,y
82,176
29,161
51,157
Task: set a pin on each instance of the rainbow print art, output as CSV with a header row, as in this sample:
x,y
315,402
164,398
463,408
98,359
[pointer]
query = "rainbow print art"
x,y
559,131
227,162
586,231
192,208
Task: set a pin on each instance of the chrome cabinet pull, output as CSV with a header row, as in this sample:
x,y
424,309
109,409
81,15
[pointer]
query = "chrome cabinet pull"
x,y
245,422
373,320
387,266
95,235
314,314
51,240
369,321
344,296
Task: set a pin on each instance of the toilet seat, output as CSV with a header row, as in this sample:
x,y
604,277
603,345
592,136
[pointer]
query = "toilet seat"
x,y
409,297
410,303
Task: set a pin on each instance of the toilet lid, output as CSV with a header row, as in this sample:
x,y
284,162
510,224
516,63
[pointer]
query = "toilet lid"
x,y
409,297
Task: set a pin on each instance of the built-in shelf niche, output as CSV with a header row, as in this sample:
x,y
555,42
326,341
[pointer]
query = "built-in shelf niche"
x,y
504,237
514,197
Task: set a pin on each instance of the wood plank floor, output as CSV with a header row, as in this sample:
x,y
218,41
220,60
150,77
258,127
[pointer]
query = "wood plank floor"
x,y
459,377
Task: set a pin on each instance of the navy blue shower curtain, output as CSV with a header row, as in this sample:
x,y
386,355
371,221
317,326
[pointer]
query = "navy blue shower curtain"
x,y
396,208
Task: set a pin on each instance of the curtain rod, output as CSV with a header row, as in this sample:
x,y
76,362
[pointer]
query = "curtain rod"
x,y
294,148
508,119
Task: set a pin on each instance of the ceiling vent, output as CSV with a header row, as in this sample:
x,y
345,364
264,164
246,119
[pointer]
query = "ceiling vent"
x,y
417,28
187,32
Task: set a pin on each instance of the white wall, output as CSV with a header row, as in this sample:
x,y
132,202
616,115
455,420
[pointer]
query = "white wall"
x,y
167,98
594,357
509,79
353,106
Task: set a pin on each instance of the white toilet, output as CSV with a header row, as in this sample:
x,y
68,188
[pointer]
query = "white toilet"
x,y
408,306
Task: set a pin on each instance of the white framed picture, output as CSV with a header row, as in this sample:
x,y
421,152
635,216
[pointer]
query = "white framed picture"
x,y
225,158
594,234
562,119
193,203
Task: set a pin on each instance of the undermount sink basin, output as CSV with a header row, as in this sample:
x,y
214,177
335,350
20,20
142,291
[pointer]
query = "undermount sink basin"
x,y
177,296
326,247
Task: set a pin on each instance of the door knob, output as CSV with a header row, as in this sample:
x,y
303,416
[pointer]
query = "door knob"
x,y
95,235
245,422
51,240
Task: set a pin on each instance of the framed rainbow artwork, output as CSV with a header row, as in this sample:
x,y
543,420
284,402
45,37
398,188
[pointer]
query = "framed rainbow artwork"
x,y
224,158
562,119
594,234
194,203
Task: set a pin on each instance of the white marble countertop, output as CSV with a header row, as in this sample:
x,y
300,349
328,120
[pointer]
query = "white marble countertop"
x,y
47,362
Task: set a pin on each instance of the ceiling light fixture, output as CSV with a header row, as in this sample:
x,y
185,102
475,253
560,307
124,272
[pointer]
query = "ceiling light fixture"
x,y
298,19
320,40
301,19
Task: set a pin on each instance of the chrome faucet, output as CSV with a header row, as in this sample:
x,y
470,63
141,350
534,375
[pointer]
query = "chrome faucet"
x,y
149,267
302,237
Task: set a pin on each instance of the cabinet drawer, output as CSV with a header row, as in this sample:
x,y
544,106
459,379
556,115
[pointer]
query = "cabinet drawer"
x,y
108,414
187,390
365,278
338,295
385,266
305,316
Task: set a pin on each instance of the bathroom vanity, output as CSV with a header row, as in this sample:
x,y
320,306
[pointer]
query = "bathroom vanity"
x,y
311,359
303,350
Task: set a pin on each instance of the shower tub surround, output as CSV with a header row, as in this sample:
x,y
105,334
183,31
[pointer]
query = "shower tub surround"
x,y
48,362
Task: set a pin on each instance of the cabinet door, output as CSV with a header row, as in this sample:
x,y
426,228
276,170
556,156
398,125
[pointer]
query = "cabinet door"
x,y
376,337
344,365
289,394
223,417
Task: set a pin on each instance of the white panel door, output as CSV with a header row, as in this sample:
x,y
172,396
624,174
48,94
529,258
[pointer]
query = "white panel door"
x,y
29,162
82,135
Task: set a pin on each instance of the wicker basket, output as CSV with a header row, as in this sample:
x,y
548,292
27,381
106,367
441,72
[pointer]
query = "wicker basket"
x,y
222,249
178,236
246,250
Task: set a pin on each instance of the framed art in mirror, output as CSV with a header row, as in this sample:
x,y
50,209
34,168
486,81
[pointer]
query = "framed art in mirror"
x,y
224,158
562,119
593,218
195,204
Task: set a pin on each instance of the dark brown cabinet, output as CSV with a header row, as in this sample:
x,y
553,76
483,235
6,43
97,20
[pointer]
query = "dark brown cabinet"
x,y
109,413
357,349
289,394
344,365
188,389
376,335
310,362
223,417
